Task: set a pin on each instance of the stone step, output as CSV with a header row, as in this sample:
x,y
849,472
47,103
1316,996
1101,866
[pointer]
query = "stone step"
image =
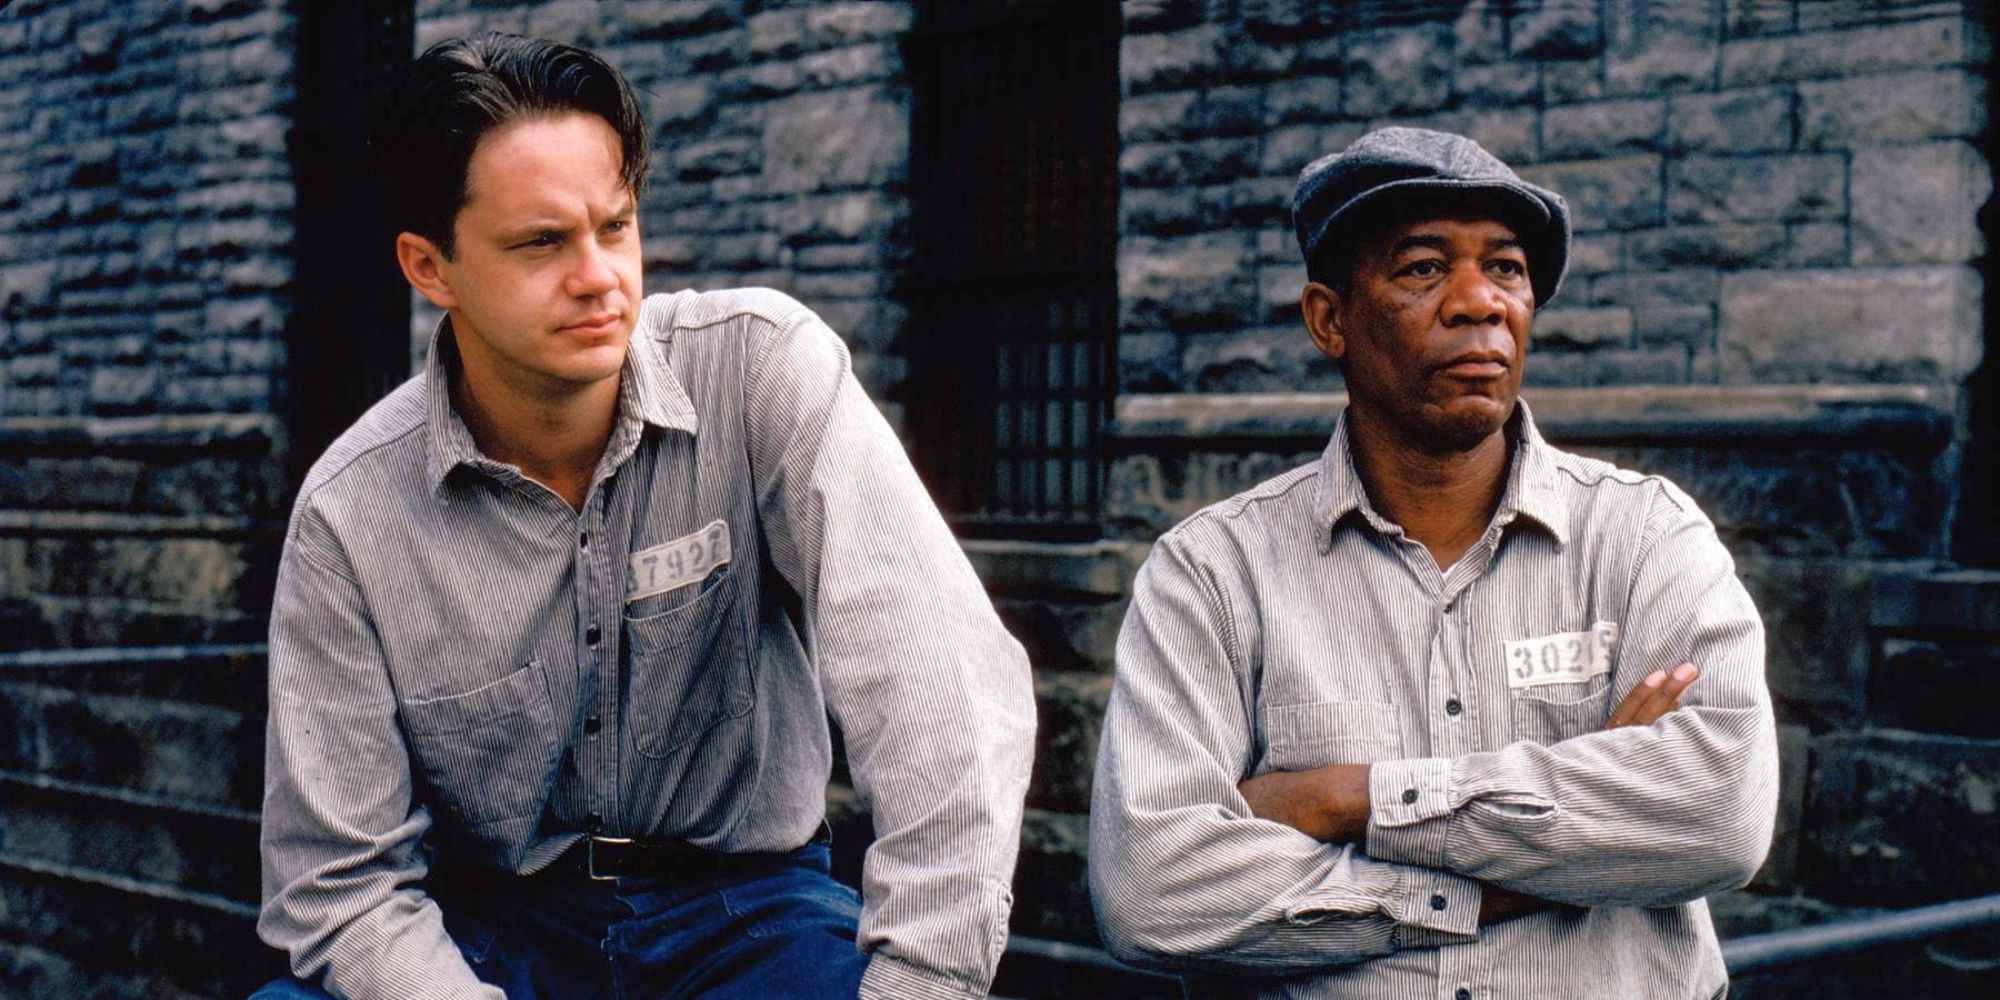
x,y
195,847
133,742
69,925
1070,712
1063,601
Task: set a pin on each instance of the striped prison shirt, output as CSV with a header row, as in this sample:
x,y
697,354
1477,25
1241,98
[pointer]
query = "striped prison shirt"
x,y
1293,626
460,658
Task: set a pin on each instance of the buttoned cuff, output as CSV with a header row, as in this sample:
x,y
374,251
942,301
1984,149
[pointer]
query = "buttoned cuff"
x,y
1404,797
892,979
1433,908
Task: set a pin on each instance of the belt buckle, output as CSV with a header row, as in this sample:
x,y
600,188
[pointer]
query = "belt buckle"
x,y
590,856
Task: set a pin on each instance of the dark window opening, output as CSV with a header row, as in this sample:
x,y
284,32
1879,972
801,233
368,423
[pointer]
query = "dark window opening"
x,y
1013,322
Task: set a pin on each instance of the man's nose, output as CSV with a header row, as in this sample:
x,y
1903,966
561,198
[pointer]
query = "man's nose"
x,y
1472,297
592,274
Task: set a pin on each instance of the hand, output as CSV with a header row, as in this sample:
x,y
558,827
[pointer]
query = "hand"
x,y
1655,696
1326,803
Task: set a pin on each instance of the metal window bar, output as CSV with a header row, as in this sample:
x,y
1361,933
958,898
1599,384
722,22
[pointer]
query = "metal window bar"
x,y
1011,292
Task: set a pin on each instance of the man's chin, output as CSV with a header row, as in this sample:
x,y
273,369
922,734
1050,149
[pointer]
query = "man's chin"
x,y
1470,422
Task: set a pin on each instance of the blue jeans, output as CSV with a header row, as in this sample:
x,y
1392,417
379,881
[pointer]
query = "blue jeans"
x,y
785,932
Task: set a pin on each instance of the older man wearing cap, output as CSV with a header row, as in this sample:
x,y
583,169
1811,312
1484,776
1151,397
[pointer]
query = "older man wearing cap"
x,y
1420,719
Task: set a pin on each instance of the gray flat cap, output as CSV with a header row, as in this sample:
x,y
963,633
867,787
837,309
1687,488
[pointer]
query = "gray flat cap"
x,y
1396,162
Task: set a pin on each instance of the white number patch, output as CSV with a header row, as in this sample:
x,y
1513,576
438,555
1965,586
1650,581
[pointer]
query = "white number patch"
x,y
1562,658
677,563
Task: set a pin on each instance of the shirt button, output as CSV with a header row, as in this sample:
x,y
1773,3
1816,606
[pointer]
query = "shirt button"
x,y
1452,706
1409,796
595,822
592,634
1462,994
1438,902
583,541
1450,606
591,725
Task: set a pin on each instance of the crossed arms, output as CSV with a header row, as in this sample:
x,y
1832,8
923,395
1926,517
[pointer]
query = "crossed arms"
x,y
1195,868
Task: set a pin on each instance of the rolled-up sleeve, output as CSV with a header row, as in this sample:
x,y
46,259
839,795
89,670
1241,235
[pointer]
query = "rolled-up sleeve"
x,y
933,697
340,831
1637,816
1183,876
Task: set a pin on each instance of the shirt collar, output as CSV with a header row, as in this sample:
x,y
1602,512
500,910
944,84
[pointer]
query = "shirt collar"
x,y
648,396
1531,489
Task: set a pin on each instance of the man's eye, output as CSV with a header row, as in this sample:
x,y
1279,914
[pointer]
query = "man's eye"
x,y
617,226
1425,269
543,241
1512,268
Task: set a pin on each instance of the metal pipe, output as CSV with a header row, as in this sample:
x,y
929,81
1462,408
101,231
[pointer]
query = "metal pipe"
x,y
128,656
1758,952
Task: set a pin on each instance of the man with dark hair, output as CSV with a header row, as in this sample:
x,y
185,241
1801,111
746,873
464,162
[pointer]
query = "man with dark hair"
x,y
1419,719
560,621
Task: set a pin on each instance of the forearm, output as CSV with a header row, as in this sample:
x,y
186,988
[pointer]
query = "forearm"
x,y
1641,816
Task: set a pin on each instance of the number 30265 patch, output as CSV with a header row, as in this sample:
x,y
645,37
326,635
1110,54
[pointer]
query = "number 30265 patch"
x,y
679,562
1562,658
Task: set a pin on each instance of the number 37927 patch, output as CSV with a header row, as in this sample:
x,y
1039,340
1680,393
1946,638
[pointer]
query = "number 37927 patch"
x,y
1562,658
679,562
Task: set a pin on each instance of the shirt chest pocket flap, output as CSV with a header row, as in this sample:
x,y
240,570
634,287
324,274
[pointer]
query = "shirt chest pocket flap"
x,y
689,668
1299,737
484,752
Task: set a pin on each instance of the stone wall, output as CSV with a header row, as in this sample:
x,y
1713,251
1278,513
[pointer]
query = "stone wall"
x,y
781,145
1763,191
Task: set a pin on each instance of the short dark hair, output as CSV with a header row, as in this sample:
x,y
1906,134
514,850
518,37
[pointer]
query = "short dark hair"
x,y
463,88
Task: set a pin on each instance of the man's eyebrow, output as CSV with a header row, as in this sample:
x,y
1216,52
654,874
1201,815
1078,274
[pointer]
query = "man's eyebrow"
x,y
1418,241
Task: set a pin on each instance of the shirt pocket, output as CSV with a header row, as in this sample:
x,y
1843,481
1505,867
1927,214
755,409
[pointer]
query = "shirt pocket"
x,y
485,753
1300,737
1556,712
689,669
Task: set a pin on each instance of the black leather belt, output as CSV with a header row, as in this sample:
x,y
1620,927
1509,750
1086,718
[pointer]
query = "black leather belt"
x,y
606,858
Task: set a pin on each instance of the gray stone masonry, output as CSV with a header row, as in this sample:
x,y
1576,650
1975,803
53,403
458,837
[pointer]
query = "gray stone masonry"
x,y
1779,152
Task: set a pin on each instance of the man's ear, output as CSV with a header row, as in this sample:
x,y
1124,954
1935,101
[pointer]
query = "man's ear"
x,y
1321,307
423,266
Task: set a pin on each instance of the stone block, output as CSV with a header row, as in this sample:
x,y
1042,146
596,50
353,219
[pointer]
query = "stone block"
x,y
1478,33
1938,601
1258,203
1148,494
850,21
1188,283
1158,117
1574,329
1817,244
1170,60
1651,52
1315,99
1175,164
1900,819
1397,70
1721,245
1690,326
851,65
701,161
1168,211
1603,128
834,139
1070,717
579,22
1821,14
1750,120
1937,685
1896,107
1149,362
776,33
1918,204
1267,359
1596,253
1619,193
1816,613
1758,17
1051,887
1786,188
1157,15
677,102
1926,44
1499,83
1780,872
1918,324
1555,31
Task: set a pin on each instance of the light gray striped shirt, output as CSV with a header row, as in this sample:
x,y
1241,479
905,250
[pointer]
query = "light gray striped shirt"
x,y
1292,627
458,656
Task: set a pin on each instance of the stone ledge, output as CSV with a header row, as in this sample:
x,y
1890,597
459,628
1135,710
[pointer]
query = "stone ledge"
x,y
251,432
51,523
1849,415
1954,600
1093,569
